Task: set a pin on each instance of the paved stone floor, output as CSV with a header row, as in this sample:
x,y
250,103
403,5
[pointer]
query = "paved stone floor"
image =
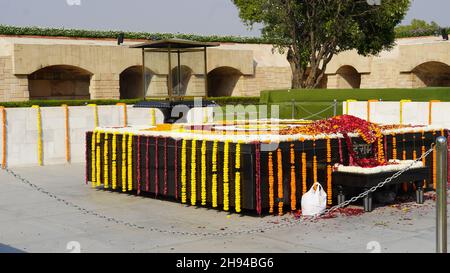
x,y
32,222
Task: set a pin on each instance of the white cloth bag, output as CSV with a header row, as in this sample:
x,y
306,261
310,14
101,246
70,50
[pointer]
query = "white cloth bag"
x,y
314,201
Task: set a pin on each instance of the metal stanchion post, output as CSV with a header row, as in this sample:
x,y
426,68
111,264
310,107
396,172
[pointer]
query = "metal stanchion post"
x,y
335,108
441,192
293,109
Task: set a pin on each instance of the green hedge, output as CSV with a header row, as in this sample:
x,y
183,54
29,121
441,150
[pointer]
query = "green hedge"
x,y
328,95
48,103
79,33
235,100
308,102
401,32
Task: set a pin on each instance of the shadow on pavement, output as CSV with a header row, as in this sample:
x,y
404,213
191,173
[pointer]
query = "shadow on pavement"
x,y
9,249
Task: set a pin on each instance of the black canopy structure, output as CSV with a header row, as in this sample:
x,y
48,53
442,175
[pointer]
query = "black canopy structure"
x,y
179,47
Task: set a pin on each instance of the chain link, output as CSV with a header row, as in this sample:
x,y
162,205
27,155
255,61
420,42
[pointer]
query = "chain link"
x,y
287,222
317,114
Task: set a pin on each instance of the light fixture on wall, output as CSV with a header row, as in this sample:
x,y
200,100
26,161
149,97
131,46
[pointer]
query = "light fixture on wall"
x,y
120,38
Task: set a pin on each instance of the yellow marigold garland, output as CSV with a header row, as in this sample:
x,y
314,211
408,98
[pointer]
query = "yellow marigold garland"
x,y
329,173
94,106
39,131
114,161
271,183
183,171
130,162
124,163
194,172
98,161
106,161
3,110
226,185
237,178
293,180
214,175
153,116
434,164
203,178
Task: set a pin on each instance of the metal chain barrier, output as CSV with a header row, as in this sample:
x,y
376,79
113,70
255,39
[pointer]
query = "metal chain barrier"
x,y
318,114
289,222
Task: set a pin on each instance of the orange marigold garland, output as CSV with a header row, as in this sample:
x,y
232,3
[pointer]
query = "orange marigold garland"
x,y
67,129
380,151
125,116
424,159
329,173
304,170
405,184
394,147
271,182
414,156
314,163
293,180
280,181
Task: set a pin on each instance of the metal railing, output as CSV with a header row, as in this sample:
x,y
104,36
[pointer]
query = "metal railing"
x,y
441,194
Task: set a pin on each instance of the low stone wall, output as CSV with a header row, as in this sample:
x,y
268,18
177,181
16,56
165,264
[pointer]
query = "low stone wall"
x,y
21,141
414,113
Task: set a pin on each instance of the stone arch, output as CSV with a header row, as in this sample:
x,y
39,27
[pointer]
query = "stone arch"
x,y
180,80
222,81
59,82
348,77
431,74
131,82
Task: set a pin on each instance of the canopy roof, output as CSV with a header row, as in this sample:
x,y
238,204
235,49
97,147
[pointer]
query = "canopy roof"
x,y
174,44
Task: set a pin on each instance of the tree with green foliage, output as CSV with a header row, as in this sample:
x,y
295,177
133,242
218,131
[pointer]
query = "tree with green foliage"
x,y
311,32
417,28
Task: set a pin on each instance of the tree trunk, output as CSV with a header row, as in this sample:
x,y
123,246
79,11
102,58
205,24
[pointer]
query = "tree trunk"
x,y
296,71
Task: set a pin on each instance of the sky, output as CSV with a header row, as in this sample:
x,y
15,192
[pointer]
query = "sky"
x,y
184,16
